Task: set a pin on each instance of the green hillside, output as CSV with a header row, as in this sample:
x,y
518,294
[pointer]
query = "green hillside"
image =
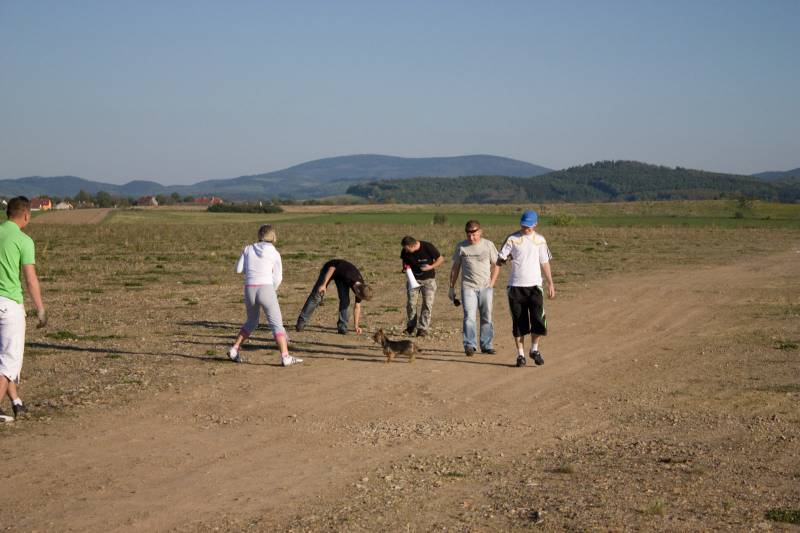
x,y
603,181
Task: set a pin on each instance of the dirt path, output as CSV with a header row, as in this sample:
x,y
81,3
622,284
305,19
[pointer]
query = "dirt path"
x,y
270,448
72,216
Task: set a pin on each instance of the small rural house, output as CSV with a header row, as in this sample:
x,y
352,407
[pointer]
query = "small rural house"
x,y
147,200
208,200
41,204
60,206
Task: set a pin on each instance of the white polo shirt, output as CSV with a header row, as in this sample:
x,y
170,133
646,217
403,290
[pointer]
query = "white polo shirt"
x,y
527,253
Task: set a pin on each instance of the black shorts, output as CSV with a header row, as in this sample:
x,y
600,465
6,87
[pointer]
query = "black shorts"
x,y
527,310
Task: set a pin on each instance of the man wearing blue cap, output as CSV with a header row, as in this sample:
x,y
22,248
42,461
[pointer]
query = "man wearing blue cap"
x,y
530,257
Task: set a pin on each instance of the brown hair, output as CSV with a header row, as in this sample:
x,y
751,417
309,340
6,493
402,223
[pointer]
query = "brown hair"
x,y
17,207
362,291
408,240
472,225
266,233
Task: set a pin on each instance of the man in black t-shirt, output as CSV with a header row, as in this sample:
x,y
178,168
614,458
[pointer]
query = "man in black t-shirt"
x,y
347,277
422,258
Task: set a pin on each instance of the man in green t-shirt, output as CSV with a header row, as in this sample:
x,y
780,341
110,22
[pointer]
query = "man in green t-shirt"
x,y
17,254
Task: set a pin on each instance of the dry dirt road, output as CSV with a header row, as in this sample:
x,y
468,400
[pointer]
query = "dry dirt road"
x,y
664,404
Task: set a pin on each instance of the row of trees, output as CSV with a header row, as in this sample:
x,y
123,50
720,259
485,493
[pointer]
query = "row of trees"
x,y
106,199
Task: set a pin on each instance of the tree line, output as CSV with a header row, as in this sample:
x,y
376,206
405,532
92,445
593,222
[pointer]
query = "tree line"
x,y
603,181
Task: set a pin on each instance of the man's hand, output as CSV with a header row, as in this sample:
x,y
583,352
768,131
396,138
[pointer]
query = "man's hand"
x,y
41,314
451,293
358,330
551,291
322,289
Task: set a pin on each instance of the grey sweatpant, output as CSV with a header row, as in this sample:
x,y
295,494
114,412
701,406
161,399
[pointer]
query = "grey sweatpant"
x,y
256,298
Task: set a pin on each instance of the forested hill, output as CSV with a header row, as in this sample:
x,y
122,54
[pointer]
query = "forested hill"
x,y
595,182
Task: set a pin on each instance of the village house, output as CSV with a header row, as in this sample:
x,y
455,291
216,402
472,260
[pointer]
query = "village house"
x,y
148,201
208,200
41,204
63,205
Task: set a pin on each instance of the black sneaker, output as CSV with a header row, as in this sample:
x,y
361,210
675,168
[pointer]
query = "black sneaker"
x,y
488,351
469,351
520,361
422,333
537,358
341,331
410,330
300,326
19,410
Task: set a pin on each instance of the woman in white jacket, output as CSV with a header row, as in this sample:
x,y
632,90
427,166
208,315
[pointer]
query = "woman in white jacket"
x,y
263,273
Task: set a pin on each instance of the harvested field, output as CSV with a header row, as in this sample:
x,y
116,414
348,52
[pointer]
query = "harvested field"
x,y
668,400
72,216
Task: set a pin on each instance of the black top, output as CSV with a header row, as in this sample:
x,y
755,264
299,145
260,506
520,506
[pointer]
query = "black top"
x,y
427,254
345,272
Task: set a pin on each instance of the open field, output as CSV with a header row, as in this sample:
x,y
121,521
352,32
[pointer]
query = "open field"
x,y
668,400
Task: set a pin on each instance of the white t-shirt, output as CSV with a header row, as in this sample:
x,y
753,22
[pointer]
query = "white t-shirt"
x,y
527,253
261,264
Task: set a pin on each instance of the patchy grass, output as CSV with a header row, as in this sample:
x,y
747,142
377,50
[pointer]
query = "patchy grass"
x,y
781,389
68,335
564,468
657,508
786,345
783,514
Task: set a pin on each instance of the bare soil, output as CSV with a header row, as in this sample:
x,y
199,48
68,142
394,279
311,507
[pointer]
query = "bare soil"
x,y
668,401
72,216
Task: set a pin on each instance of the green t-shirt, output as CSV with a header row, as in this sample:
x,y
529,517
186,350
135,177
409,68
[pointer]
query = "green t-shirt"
x,y
16,249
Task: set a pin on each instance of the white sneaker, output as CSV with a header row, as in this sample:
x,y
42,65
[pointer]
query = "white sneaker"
x,y
289,360
233,354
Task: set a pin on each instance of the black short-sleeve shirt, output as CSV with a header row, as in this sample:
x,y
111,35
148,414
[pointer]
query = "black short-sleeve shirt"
x,y
345,272
427,254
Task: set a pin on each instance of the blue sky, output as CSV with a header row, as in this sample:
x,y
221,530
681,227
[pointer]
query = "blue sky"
x,y
179,91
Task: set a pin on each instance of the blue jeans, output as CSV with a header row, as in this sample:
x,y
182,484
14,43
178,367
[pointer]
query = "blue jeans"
x,y
477,301
315,299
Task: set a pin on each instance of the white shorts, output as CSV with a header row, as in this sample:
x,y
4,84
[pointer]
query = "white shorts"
x,y
12,338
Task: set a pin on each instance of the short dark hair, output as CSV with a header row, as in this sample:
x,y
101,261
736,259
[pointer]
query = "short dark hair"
x,y
408,240
17,206
472,225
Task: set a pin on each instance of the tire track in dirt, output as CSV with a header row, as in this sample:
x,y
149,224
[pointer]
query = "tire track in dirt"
x,y
268,438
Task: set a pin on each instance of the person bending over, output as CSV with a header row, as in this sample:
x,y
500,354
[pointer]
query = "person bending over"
x,y
346,277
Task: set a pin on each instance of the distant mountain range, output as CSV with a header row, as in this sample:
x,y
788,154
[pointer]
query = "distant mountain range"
x,y
313,179
778,175
472,178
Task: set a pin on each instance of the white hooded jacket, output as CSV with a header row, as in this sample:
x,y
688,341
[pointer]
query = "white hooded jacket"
x,y
261,264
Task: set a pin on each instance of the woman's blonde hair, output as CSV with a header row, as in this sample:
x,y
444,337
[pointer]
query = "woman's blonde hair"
x,y
266,233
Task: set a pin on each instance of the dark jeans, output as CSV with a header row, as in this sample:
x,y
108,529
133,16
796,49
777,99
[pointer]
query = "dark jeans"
x,y
315,298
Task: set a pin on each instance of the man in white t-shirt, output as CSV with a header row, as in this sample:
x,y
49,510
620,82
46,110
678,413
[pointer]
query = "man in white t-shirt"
x,y
530,257
475,258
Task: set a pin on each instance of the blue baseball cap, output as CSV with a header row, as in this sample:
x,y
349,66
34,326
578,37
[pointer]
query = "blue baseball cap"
x,y
529,218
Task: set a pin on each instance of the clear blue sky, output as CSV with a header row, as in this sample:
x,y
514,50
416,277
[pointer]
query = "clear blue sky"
x,y
179,91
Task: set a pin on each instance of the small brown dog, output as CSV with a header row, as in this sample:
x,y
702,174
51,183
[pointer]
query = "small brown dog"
x,y
392,348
